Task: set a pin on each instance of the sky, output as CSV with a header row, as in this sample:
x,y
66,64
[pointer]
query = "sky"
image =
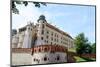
x,y
73,19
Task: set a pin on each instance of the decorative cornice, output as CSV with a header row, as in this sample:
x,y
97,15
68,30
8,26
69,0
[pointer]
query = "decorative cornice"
x,y
41,48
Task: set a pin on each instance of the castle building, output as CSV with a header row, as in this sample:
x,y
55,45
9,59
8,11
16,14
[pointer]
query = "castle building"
x,y
48,43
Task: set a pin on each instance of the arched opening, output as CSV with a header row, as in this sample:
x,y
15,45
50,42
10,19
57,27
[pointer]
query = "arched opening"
x,y
58,57
45,49
45,58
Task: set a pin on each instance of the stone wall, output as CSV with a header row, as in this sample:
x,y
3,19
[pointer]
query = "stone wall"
x,y
21,59
39,55
47,57
21,56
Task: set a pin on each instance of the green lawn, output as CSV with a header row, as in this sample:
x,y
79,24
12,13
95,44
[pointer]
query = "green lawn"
x,y
93,58
79,59
72,50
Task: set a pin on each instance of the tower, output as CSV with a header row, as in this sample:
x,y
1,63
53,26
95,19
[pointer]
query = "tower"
x,y
41,19
27,43
41,24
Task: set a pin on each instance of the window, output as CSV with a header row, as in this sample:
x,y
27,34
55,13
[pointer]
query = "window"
x,y
51,43
47,32
55,34
45,49
42,31
42,26
55,39
47,41
41,38
58,58
52,34
39,49
45,58
52,38
47,37
34,50
43,21
34,59
36,30
61,41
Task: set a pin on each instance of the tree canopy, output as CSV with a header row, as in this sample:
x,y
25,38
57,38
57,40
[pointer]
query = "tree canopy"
x,y
82,44
16,11
94,48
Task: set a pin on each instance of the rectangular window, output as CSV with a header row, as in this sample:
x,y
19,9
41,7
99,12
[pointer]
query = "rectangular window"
x,y
42,31
61,41
55,34
42,26
47,37
52,34
51,43
52,38
55,39
47,41
41,38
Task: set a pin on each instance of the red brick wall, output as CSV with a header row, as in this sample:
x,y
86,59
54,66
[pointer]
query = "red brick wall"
x,y
89,55
49,48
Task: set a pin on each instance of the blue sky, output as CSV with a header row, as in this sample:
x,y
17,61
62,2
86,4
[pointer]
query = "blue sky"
x,y
72,19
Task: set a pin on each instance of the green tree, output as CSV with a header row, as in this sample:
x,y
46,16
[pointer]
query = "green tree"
x,y
19,2
82,44
88,48
94,48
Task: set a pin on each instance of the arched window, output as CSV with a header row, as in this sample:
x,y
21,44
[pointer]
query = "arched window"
x,y
39,49
45,49
34,50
